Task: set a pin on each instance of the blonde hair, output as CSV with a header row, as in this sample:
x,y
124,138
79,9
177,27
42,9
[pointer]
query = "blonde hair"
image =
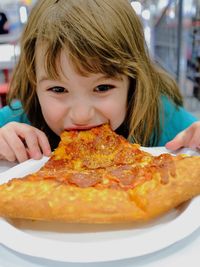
x,y
99,36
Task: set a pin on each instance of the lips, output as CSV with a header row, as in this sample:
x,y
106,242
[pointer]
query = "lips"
x,y
81,128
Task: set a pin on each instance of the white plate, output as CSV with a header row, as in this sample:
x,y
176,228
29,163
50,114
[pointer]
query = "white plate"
x,y
95,243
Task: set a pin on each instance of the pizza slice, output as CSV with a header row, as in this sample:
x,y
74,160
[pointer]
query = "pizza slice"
x,y
97,176
97,148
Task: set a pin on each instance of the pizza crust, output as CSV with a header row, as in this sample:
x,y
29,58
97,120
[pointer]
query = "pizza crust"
x,y
50,200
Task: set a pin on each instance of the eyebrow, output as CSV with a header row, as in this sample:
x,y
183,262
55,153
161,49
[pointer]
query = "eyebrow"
x,y
44,78
104,76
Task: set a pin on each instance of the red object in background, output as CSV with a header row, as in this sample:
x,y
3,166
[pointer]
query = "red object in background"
x,y
3,92
6,75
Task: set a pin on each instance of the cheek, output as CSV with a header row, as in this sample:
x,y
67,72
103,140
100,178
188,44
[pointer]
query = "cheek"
x,y
48,114
119,109
115,112
118,117
52,111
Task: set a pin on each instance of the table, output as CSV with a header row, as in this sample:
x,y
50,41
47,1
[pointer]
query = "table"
x,y
181,254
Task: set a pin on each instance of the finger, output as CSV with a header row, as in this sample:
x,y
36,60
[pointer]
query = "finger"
x,y
16,145
6,151
32,145
35,140
44,143
195,140
2,157
178,141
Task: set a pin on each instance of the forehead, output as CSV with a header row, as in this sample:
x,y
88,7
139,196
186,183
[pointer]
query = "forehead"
x,y
55,63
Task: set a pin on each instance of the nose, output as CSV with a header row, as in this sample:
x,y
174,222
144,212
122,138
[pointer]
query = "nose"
x,y
81,112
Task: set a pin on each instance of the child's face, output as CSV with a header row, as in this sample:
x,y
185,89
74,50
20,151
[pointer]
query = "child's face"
x,y
78,102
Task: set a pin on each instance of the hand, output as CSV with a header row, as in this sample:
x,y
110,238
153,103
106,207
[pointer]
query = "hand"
x,y
188,138
19,141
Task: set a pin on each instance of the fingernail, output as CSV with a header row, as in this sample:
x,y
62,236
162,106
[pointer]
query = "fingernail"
x,y
48,152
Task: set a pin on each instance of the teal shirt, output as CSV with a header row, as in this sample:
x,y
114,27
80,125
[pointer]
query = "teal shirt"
x,y
174,119
17,114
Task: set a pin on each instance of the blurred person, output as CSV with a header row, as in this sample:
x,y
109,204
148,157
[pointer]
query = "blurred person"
x,y
4,23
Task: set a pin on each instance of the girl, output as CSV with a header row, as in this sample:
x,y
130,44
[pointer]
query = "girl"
x,y
84,63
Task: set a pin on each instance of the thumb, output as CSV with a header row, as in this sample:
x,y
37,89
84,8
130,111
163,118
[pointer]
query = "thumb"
x,y
177,142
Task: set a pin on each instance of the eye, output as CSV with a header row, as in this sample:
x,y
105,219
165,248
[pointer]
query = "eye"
x,y
103,88
57,89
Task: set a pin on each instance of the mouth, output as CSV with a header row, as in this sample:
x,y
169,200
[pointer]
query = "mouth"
x,y
82,128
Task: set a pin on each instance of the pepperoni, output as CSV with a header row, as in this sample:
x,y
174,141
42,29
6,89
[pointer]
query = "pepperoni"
x,y
127,176
166,167
85,179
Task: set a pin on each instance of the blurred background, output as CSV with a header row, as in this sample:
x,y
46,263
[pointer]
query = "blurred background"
x,y
172,31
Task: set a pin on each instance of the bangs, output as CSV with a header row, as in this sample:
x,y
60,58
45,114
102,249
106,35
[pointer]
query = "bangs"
x,y
83,63
85,44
